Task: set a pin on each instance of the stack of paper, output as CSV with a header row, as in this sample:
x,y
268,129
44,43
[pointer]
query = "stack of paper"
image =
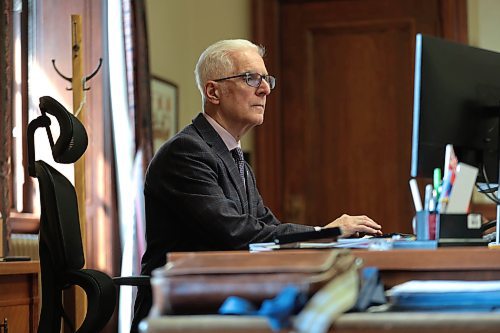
x,y
367,242
446,295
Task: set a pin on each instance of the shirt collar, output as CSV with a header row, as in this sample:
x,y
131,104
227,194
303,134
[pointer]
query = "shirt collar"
x,y
228,139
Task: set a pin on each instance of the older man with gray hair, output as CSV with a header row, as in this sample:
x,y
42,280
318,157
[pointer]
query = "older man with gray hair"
x,y
200,194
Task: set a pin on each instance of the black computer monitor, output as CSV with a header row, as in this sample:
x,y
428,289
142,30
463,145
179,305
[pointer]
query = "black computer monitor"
x,y
456,101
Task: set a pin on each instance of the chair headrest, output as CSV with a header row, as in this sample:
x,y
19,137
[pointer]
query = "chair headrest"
x,y
72,141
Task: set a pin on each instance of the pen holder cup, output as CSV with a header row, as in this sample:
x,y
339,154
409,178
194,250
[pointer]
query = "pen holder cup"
x,y
425,225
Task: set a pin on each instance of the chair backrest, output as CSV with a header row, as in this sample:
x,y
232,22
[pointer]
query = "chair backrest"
x,y
61,251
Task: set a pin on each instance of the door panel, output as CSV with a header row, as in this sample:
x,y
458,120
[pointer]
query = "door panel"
x,y
345,106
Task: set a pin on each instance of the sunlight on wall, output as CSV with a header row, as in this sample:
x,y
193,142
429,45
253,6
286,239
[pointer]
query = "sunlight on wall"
x,y
179,30
484,27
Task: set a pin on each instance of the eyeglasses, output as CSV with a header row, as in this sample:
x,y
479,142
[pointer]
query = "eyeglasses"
x,y
253,79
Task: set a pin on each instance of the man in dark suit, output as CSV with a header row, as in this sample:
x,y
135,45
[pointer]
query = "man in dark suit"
x,y
199,194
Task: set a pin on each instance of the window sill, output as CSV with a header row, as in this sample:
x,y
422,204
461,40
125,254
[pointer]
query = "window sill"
x,y
24,223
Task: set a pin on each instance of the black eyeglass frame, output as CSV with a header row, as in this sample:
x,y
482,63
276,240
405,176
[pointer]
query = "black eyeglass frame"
x,y
271,80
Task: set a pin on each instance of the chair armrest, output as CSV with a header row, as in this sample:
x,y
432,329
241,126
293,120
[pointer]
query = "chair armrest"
x,y
137,280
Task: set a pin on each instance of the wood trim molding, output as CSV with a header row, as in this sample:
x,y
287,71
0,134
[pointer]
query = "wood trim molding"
x,y
269,136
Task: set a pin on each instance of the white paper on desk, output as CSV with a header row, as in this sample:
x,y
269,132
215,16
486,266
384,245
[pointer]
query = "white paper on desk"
x,y
355,243
444,286
350,243
263,247
461,192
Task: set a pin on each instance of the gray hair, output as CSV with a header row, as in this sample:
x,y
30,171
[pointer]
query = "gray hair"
x,y
216,60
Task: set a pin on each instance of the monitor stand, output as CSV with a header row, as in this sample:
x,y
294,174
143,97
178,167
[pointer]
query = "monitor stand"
x,y
496,244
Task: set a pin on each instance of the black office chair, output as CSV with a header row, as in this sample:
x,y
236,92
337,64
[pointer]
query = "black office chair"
x,y
61,251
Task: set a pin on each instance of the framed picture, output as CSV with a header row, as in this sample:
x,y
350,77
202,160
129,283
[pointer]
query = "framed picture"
x,y
164,110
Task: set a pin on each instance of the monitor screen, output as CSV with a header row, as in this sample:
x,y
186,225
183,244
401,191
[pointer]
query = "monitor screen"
x,y
456,101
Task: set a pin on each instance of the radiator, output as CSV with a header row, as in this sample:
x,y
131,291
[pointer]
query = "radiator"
x,y
24,245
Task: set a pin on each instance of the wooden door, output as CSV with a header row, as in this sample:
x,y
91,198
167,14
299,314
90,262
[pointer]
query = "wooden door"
x,y
341,120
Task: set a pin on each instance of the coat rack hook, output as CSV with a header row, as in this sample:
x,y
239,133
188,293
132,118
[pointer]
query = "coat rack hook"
x,y
88,78
60,74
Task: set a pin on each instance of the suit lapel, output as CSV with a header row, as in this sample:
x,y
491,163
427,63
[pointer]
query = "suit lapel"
x,y
213,139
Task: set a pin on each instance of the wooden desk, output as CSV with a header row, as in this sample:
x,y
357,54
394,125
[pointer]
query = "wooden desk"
x,y
348,323
19,295
396,266
417,322
457,263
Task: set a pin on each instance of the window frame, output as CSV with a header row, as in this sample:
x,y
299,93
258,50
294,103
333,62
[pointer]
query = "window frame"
x,y
21,220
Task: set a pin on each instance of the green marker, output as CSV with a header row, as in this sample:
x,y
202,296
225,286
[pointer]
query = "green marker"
x,y
437,181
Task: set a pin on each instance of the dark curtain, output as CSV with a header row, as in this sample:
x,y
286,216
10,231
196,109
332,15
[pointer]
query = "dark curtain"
x,y
139,109
136,41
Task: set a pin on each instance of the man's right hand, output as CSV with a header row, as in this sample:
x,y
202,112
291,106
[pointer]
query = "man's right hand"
x,y
354,225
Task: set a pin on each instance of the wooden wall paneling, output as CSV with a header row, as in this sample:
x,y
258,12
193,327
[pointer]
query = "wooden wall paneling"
x,y
357,132
344,115
454,24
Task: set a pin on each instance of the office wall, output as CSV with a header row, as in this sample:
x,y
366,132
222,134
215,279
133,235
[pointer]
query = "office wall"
x,y
484,26
179,30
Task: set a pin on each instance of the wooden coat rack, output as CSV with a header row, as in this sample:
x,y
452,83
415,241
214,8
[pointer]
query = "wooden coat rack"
x,y
75,300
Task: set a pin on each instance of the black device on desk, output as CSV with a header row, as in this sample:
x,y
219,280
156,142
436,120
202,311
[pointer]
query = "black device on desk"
x,y
393,235
331,233
460,230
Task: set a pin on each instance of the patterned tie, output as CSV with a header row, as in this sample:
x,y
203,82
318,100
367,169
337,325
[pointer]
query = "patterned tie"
x,y
240,161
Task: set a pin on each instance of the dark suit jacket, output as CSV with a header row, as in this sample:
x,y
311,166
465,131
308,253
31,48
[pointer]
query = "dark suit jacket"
x,y
196,201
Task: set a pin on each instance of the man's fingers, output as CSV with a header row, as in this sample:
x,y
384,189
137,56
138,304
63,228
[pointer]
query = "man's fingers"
x,y
368,222
352,225
364,224
367,230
